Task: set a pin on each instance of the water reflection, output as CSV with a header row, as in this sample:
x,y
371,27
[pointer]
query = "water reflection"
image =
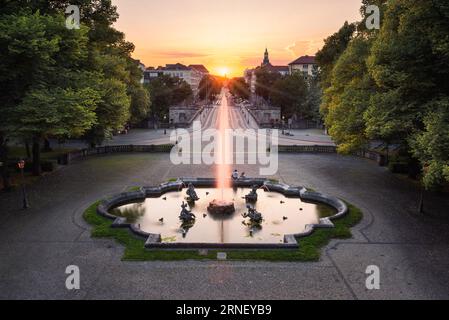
x,y
132,212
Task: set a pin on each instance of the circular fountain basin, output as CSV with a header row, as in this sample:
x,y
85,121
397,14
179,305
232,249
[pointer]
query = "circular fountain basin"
x,y
282,216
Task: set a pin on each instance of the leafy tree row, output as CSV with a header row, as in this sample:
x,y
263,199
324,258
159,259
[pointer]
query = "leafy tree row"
x,y
294,94
239,88
392,84
166,91
56,82
210,87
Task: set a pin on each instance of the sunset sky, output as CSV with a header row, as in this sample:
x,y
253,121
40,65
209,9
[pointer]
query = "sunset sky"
x,y
228,36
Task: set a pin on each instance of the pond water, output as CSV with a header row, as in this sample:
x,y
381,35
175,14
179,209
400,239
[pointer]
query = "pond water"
x,y
281,215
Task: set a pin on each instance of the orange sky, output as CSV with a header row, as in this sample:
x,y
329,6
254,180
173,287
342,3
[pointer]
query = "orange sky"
x,y
229,36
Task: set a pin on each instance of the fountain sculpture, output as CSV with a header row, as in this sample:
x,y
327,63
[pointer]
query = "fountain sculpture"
x,y
191,193
252,196
186,216
254,216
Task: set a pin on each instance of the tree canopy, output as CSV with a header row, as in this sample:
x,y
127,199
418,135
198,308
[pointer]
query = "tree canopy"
x,y
166,91
239,88
56,82
392,84
209,87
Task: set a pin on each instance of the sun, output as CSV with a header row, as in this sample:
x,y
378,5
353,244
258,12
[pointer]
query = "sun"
x,y
223,71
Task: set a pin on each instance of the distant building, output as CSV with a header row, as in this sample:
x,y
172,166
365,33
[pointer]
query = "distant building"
x,y
305,64
141,67
151,73
192,74
250,74
266,58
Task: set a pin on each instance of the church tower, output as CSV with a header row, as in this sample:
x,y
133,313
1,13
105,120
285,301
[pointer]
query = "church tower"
x,y
266,58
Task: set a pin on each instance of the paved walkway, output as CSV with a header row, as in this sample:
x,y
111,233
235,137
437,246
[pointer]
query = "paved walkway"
x,y
37,245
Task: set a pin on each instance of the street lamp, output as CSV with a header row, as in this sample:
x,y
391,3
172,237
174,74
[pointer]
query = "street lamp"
x,y
165,120
283,125
21,165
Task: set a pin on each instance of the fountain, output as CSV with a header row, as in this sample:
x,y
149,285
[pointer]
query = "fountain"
x,y
281,215
212,216
223,170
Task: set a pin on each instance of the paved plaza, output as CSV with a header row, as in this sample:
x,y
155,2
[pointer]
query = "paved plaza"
x,y
37,245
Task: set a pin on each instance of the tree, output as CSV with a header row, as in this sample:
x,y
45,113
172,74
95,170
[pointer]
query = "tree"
x,y
112,111
333,47
166,91
290,94
181,91
239,88
265,80
348,96
41,63
314,99
409,63
431,145
42,60
55,112
140,104
209,87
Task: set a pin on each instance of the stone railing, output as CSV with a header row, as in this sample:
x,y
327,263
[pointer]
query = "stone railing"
x,y
80,154
367,154
373,155
307,149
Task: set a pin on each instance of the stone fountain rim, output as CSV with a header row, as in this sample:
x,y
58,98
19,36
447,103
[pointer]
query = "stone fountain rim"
x,y
155,240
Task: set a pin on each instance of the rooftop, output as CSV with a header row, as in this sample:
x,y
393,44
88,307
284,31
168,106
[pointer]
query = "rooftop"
x,y
199,67
177,66
304,60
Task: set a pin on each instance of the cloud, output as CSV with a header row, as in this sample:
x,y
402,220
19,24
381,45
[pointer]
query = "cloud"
x,y
251,61
304,47
181,54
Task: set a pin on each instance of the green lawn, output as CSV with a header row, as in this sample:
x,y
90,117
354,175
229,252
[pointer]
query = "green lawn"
x,y
310,247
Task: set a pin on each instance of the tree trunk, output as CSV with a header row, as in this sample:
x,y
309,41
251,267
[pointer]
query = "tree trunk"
x,y
6,179
47,147
36,157
28,149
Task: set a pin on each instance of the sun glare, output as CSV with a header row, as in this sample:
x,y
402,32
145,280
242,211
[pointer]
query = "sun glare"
x,y
223,71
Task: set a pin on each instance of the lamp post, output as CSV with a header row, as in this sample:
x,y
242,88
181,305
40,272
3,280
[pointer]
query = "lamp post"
x,y
283,125
21,165
165,120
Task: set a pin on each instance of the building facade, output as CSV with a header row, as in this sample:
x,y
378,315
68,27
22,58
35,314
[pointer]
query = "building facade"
x,y
305,65
192,74
250,74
